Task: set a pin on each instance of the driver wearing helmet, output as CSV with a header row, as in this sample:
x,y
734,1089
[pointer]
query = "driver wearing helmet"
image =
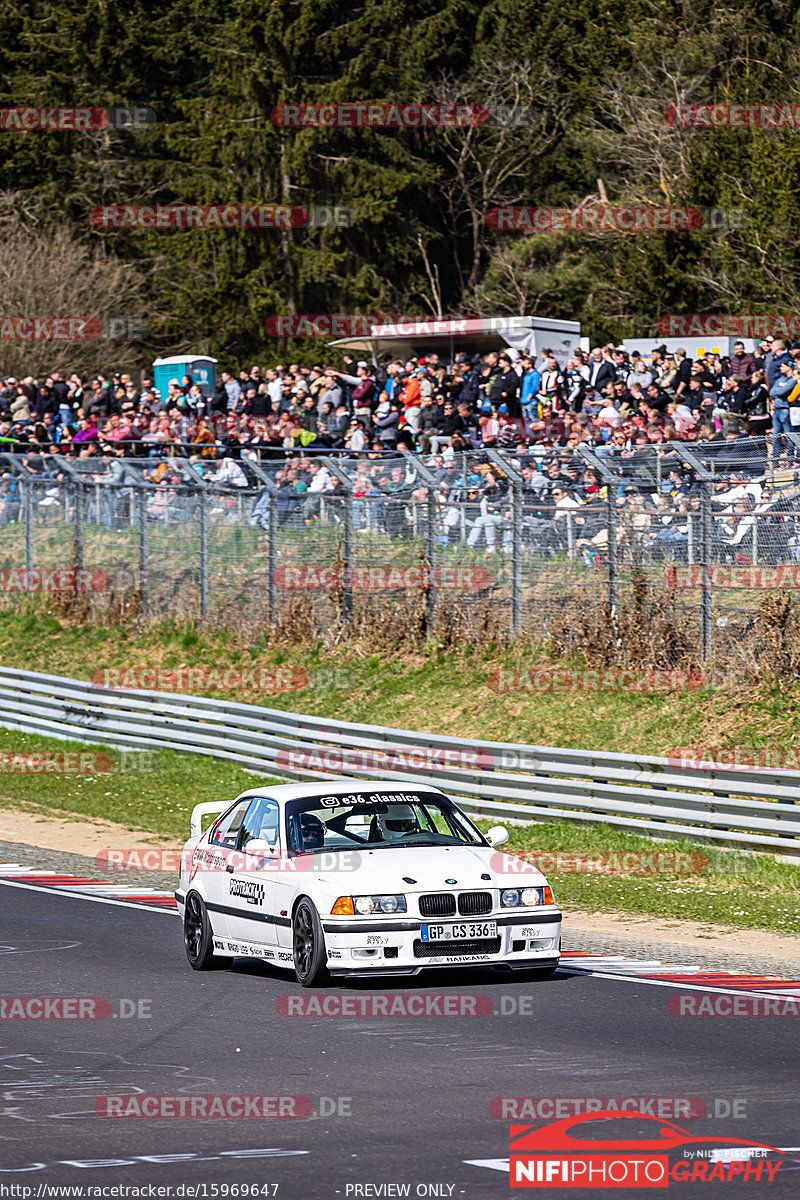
x,y
312,832
397,822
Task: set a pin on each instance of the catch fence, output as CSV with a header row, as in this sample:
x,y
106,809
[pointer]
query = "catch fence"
x,y
534,543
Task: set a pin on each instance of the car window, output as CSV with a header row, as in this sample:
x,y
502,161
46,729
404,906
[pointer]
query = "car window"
x,y
226,832
408,819
260,821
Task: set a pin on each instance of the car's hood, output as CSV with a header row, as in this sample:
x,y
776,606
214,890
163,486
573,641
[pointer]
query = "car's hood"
x,y
386,871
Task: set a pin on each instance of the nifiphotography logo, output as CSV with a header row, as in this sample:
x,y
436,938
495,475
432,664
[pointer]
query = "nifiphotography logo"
x,y
551,1156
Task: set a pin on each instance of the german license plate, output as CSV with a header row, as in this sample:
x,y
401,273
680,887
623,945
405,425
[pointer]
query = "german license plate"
x,y
466,931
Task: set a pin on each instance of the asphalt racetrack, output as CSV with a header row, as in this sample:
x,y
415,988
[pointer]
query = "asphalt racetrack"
x,y
404,1100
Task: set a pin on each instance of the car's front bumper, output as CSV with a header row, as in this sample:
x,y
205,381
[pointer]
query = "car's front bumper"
x,y
393,945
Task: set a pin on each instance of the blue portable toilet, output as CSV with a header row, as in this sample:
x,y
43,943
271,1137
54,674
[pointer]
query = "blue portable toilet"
x,y
203,371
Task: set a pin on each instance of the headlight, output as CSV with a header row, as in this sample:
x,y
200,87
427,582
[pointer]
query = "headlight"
x,y
526,897
366,905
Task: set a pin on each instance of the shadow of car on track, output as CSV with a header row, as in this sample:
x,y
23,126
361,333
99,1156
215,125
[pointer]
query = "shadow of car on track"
x,y
490,977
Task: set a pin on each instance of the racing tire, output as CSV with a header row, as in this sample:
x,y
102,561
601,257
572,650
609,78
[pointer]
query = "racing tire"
x,y
308,946
198,936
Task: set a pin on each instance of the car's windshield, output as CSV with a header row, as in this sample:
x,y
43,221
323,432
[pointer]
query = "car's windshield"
x,y
379,821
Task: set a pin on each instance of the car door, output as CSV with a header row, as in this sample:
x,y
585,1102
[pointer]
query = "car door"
x,y
214,870
251,877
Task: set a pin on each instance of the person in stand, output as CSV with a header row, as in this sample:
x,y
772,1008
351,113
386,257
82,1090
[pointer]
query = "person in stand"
x,y
779,392
356,438
757,404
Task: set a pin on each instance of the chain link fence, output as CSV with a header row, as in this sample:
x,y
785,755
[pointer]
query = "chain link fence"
x,y
541,543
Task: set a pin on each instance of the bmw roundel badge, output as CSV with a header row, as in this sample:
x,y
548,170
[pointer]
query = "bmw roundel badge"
x,y
451,881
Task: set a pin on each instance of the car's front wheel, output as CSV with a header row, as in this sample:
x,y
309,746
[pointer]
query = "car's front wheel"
x,y
198,936
308,946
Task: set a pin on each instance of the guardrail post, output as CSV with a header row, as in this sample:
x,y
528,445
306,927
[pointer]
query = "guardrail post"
x,y
706,599
144,565
203,537
613,563
272,556
430,554
27,511
706,479
755,539
429,479
610,480
346,609
516,481
272,535
516,560
78,537
347,557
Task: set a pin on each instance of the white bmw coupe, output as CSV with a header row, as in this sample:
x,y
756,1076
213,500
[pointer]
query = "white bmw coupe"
x,y
351,878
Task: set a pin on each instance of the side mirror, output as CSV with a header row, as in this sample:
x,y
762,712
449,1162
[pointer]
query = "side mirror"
x,y
497,835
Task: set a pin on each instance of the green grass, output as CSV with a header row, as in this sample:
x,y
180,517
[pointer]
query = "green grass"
x,y
428,690
750,891
745,890
157,800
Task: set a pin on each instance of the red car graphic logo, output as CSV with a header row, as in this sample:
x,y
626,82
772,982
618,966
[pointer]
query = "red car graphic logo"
x,y
550,1156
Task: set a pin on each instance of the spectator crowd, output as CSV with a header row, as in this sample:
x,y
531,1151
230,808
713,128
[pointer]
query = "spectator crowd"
x,y
500,399
621,406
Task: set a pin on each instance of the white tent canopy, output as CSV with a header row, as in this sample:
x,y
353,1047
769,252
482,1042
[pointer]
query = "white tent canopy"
x,y
449,335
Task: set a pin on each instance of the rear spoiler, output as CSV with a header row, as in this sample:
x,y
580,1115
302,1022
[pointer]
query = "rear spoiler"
x,y
203,810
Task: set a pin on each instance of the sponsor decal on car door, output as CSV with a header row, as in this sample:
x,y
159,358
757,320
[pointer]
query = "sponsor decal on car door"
x,y
212,862
251,882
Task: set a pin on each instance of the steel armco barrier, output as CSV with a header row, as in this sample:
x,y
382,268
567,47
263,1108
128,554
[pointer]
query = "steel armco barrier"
x,y
731,806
